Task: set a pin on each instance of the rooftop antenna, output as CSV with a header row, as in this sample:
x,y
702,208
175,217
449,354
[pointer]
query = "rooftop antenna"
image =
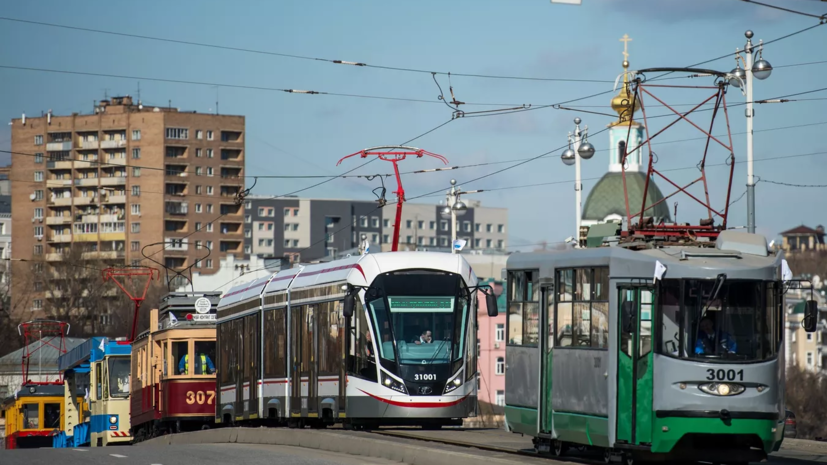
x,y
216,99
139,91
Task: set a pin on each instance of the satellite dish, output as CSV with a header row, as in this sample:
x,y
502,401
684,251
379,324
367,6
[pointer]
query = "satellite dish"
x,y
32,196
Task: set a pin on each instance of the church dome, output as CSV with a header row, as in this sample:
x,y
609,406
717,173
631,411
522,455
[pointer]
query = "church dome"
x,y
606,197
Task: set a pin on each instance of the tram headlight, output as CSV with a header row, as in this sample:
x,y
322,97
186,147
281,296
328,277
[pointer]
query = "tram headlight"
x,y
113,419
391,383
722,389
454,382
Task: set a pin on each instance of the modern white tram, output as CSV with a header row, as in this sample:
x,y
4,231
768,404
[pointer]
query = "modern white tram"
x,y
378,339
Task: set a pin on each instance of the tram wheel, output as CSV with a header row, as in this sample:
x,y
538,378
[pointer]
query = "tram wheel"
x,y
558,448
607,456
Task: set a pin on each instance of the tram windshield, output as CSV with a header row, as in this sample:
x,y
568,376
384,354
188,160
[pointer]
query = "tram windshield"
x,y
425,313
119,376
739,322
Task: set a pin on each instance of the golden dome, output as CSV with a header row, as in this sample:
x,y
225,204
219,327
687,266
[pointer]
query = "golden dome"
x,y
622,102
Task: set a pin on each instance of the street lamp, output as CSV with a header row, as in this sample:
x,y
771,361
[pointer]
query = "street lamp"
x,y
761,69
453,208
585,150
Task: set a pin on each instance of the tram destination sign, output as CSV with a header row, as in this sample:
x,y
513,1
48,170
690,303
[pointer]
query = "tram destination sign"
x,y
421,304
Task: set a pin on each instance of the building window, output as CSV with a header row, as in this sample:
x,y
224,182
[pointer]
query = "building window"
x,y
248,249
198,153
38,176
261,226
443,225
443,241
287,242
38,286
386,239
432,225
500,228
38,231
286,212
363,221
38,213
466,226
420,240
261,242
38,158
489,228
38,140
209,227
209,245
431,241
260,211
374,238
136,227
409,239
477,227
197,208
500,243
136,134
809,336
210,171
136,209
248,219
209,208
37,304
500,400
500,336
38,195
500,369
248,233
271,212
269,242
136,153
209,135
374,221
136,172
199,134
270,227
197,225
409,224
199,170
209,190
208,263
477,243
178,133
295,242
210,153
135,246
809,359
136,191
488,243
386,223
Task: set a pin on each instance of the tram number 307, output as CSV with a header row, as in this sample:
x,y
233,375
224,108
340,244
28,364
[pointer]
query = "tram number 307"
x,y
424,377
200,397
724,375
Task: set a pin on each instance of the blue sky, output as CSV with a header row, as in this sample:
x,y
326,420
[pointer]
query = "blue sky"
x,y
306,134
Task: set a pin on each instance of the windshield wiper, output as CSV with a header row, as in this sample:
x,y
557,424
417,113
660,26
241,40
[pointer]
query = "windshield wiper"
x,y
719,283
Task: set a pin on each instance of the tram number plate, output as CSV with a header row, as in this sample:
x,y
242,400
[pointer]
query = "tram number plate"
x,y
200,397
424,377
724,375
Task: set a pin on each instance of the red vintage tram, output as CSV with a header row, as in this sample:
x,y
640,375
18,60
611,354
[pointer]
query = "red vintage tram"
x,y
173,368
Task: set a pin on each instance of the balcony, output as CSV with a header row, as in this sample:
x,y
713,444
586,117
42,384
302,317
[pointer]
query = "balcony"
x,y
177,208
176,244
85,200
110,199
59,146
232,172
88,144
84,164
230,228
176,152
59,165
116,161
231,154
113,181
58,183
89,182
230,136
86,237
177,226
113,236
112,144
53,257
103,255
58,219
230,209
60,238
230,245
61,201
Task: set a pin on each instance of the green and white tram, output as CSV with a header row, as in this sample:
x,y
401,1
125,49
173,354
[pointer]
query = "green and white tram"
x,y
689,366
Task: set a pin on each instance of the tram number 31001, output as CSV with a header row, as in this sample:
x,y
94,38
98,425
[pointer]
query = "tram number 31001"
x,y
724,375
200,397
424,377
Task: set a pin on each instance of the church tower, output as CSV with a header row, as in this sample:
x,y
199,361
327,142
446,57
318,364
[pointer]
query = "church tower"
x,y
606,201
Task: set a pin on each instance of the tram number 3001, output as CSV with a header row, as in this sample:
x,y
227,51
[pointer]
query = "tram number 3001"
x,y
724,375
424,377
200,397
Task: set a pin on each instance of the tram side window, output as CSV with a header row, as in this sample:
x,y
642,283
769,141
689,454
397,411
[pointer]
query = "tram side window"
x,y
361,355
164,350
523,308
275,343
329,348
669,297
385,342
582,316
51,416
98,379
31,416
180,357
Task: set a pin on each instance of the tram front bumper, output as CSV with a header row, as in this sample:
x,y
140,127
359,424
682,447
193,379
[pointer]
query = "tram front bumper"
x,y
380,407
672,434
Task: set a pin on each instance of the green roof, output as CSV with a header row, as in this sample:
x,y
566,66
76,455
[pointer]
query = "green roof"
x,y
606,197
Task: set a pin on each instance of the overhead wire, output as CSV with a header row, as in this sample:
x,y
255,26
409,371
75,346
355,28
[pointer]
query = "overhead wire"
x,y
788,10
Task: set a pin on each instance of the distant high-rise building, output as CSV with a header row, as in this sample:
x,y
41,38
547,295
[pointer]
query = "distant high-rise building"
x,y
102,186
314,229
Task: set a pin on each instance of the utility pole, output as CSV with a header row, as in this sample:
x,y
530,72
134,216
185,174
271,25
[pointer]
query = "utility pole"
x,y
581,148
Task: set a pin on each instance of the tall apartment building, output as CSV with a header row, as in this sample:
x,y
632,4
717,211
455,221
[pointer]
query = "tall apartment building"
x,y
124,177
312,229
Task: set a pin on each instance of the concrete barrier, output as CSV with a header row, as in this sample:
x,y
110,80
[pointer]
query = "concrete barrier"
x,y
358,444
804,445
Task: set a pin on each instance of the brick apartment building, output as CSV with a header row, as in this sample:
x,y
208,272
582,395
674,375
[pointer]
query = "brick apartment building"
x,y
124,177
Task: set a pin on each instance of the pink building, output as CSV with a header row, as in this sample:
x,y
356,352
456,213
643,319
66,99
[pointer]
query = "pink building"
x,y
491,352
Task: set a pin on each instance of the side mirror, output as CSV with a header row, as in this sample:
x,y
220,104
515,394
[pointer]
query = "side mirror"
x,y
491,305
810,322
350,302
627,316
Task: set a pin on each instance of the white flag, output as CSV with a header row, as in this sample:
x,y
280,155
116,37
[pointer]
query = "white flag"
x,y
87,394
786,272
660,269
459,244
101,346
173,321
367,247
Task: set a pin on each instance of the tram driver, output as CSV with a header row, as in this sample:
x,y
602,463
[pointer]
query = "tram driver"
x,y
709,339
425,337
203,365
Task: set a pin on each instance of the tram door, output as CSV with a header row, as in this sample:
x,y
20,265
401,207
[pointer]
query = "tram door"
x,y
547,326
251,330
634,365
296,323
312,367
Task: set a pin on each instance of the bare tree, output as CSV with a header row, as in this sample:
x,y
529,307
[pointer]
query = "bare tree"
x,y
807,399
